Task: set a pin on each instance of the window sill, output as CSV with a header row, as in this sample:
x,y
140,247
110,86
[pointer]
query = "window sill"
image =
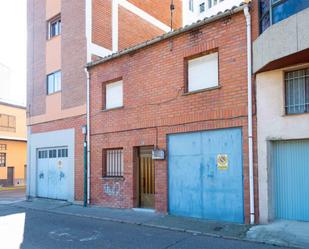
x,y
202,90
117,178
54,93
53,37
112,109
295,114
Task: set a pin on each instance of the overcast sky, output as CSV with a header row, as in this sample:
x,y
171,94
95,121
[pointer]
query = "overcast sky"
x,y
13,44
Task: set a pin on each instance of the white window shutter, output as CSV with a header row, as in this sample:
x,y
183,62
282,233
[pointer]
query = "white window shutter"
x,y
203,72
114,95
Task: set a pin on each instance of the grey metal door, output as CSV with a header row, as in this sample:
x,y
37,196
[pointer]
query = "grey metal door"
x,y
10,176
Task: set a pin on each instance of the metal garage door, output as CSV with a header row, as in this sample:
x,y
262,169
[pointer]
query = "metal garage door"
x,y
205,175
52,177
291,179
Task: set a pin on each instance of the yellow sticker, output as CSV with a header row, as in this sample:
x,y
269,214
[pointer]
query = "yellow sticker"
x,y
222,161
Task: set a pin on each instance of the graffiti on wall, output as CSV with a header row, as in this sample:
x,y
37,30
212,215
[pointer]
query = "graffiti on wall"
x,y
112,189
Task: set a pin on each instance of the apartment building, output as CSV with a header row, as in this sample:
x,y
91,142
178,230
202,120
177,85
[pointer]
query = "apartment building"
x,y
13,145
171,130
200,9
63,35
280,64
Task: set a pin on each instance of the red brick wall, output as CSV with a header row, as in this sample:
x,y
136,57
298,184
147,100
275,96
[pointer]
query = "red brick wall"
x,y
134,29
161,10
69,123
102,23
255,19
73,54
155,103
36,52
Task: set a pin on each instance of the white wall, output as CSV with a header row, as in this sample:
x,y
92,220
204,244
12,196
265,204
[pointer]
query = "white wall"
x,y
4,82
191,17
47,140
273,124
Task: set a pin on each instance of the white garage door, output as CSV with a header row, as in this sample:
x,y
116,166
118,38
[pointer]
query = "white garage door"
x,y
53,173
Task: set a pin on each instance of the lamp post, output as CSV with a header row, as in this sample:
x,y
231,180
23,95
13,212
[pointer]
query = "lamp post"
x,y
84,131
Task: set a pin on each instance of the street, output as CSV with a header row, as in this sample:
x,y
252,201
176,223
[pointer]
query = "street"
x,y
34,229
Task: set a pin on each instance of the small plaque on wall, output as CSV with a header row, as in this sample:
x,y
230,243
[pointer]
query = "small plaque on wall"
x,y
158,154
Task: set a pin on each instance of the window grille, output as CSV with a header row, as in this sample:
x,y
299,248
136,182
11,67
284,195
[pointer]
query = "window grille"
x,y
297,91
113,162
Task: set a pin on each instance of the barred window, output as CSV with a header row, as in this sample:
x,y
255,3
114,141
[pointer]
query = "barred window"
x,y
113,163
2,159
297,91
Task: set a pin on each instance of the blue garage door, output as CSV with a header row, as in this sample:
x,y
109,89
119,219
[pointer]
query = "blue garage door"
x,y
290,178
205,175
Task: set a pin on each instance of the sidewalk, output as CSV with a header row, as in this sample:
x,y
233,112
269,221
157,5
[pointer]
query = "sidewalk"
x,y
269,234
144,218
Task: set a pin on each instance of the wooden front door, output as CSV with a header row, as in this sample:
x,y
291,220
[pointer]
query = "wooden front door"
x,y
146,178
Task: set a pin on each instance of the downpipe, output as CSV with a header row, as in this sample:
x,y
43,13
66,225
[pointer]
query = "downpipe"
x,y
250,123
88,135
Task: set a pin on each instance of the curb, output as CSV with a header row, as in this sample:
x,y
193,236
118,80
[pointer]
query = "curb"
x,y
11,188
168,228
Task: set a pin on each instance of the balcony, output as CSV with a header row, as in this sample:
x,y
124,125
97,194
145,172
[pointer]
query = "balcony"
x,y
285,42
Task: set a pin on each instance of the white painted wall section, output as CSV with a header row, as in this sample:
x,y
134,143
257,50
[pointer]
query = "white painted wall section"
x,y
115,27
273,124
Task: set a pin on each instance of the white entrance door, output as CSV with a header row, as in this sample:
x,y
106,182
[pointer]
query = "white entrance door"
x,y
52,177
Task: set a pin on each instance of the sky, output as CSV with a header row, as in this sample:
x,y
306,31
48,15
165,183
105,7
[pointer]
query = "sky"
x,y
13,44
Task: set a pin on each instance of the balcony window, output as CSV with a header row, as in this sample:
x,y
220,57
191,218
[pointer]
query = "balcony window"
x,y
274,11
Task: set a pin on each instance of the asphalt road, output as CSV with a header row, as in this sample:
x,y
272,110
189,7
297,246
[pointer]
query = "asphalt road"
x,y
29,229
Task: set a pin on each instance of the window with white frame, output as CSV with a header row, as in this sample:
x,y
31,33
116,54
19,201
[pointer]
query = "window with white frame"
x,y
297,91
203,72
54,82
114,95
54,27
113,163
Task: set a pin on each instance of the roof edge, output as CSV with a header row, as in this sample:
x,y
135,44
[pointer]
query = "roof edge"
x,y
168,35
13,105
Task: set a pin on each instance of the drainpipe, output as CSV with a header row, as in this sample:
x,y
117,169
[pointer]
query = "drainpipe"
x,y
88,21
88,136
250,133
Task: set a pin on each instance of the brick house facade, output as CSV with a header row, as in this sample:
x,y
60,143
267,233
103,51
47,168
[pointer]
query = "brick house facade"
x,y
156,104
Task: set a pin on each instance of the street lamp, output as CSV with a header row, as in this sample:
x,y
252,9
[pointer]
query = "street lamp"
x,y
84,132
